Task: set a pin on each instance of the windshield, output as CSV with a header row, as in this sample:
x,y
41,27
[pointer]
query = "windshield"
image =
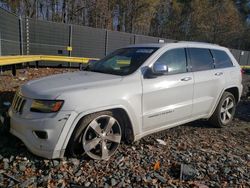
x,y
123,61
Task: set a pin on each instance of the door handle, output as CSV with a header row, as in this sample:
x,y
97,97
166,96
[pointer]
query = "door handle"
x,y
186,79
218,73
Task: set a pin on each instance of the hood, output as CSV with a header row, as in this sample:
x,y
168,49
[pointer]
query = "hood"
x,y
51,87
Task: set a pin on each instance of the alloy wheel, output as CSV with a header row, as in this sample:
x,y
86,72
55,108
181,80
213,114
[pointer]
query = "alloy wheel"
x,y
226,112
102,137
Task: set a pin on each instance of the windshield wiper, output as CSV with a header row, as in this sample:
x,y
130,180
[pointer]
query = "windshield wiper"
x,y
105,72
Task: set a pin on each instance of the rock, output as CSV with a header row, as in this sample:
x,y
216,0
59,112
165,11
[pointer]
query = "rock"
x,y
106,185
162,142
55,163
5,164
46,162
6,160
187,172
1,157
87,184
59,176
119,160
200,185
113,182
248,157
211,169
11,184
138,178
240,170
104,179
79,173
127,180
22,78
46,178
148,178
91,162
159,177
1,178
22,166
214,184
226,170
28,182
75,162
121,184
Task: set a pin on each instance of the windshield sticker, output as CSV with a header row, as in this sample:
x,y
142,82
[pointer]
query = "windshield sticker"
x,y
146,51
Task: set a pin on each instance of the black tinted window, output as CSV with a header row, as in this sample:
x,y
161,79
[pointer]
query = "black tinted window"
x,y
221,59
175,60
201,59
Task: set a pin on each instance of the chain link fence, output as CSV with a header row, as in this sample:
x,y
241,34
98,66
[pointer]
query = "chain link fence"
x,y
24,36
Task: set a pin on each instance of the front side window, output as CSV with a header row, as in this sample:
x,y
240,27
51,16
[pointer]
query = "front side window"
x,y
175,60
123,61
201,59
222,60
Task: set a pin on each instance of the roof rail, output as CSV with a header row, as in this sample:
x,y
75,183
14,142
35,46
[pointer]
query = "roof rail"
x,y
196,42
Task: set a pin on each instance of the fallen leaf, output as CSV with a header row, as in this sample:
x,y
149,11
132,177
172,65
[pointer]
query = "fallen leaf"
x,y
157,166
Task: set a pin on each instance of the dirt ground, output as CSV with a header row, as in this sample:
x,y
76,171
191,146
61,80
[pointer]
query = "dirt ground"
x,y
191,155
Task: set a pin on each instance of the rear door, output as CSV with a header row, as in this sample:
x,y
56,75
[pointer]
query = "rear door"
x,y
208,81
223,64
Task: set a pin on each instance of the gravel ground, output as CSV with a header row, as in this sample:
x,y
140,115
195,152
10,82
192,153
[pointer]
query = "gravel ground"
x,y
192,155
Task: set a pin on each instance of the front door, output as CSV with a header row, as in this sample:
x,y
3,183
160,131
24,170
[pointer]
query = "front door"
x,y
167,99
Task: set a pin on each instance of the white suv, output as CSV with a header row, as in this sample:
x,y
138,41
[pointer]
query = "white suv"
x,y
133,92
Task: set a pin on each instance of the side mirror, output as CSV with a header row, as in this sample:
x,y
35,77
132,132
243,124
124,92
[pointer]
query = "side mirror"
x,y
88,65
157,70
92,61
160,69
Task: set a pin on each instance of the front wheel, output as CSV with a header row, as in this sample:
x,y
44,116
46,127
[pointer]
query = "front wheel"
x,y
224,113
99,135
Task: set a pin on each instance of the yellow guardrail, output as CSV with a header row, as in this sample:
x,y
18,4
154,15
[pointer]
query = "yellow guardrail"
x,y
11,60
245,66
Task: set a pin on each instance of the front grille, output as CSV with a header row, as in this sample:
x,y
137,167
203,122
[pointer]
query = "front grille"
x,y
18,103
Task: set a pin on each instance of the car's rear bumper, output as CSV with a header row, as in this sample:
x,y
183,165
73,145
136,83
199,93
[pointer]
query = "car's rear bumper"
x,y
25,130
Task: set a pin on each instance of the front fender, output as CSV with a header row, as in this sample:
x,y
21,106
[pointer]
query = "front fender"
x,y
76,117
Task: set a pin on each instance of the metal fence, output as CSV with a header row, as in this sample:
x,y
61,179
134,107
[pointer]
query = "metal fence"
x,y
9,34
24,36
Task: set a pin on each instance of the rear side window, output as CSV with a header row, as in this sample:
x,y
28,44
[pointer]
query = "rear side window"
x,y
175,59
201,59
221,59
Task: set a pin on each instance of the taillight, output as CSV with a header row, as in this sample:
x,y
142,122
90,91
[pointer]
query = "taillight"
x,y
242,71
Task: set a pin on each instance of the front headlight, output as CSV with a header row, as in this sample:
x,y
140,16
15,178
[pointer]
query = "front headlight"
x,y
46,106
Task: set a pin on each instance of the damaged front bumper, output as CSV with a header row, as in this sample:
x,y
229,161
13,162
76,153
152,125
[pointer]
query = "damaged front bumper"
x,y
40,135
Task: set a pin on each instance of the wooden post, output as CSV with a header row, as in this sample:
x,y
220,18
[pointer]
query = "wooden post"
x,y
13,67
37,64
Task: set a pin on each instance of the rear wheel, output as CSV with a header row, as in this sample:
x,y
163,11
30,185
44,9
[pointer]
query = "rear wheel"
x,y
99,135
224,113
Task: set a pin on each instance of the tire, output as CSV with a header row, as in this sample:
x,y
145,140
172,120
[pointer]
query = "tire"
x,y
98,135
224,112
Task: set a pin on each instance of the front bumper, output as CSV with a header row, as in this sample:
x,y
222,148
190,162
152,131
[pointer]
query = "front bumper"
x,y
24,129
